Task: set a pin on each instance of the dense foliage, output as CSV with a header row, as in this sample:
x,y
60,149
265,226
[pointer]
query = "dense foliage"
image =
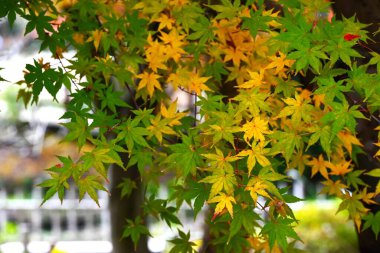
x,y
253,110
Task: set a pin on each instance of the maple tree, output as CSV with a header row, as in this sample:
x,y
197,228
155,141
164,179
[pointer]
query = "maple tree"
x,y
228,150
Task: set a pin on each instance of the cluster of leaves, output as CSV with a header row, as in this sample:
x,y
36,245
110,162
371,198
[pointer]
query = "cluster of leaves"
x,y
254,117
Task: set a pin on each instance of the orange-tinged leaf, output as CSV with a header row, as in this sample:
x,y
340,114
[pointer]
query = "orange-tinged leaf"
x,y
224,201
341,168
348,139
234,54
319,165
279,63
149,81
256,129
333,187
165,22
197,84
96,37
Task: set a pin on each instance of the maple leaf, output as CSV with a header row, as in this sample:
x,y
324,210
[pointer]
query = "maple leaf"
x,y
356,209
224,201
159,127
333,187
319,165
372,220
96,37
174,44
298,161
279,63
220,180
220,161
256,80
341,168
256,153
149,80
278,231
252,101
298,108
257,187
172,114
348,139
256,129
197,83
165,22
235,54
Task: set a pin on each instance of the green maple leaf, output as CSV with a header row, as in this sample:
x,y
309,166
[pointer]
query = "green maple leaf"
x,y
134,230
306,56
78,130
372,221
256,22
90,185
182,244
227,9
341,49
342,116
203,31
296,31
127,187
325,136
111,99
186,156
286,143
243,218
195,191
59,173
40,22
278,231
133,134
188,15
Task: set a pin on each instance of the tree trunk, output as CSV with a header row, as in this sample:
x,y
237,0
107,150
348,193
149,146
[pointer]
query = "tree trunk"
x,y
125,208
366,11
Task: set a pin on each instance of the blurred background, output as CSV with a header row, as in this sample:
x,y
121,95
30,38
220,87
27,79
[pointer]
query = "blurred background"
x,y
29,142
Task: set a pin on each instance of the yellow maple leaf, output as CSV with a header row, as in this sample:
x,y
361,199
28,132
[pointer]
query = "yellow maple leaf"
x,y
172,114
96,37
255,154
257,187
340,168
298,108
367,198
155,54
224,201
159,127
348,139
220,180
279,63
149,80
256,79
235,54
165,21
256,129
197,84
319,165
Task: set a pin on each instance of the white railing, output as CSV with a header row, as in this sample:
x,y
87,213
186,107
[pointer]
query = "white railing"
x,y
55,221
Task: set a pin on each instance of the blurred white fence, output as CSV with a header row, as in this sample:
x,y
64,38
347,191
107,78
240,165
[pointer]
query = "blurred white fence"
x,y
54,221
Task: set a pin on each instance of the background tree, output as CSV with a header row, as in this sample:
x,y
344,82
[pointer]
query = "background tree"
x,y
255,116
